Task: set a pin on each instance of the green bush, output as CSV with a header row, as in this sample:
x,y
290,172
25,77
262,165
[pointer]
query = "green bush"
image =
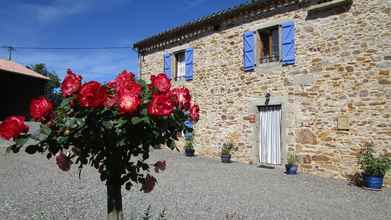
x,y
372,165
292,158
227,148
189,144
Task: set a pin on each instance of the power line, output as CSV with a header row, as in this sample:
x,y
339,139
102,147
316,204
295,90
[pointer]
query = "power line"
x,y
69,48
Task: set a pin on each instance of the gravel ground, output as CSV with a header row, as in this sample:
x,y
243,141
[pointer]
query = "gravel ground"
x,y
32,187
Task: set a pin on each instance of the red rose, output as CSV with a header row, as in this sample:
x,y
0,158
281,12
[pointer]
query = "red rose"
x,y
71,84
160,82
122,80
194,112
160,166
128,102
112,84
182,97
41,109
110,101
161,105
92,95
63,161
12,127
149,184
130,87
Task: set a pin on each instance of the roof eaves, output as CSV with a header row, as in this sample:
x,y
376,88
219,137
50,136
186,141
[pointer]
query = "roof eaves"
x,y
200,21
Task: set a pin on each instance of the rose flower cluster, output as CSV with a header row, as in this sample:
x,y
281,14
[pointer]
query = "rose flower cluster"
x,y
123,95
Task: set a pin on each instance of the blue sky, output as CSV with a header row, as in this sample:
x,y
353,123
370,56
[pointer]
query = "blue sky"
x,y
91,23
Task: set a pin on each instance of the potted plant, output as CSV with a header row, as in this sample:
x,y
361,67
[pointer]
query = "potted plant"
x,y
226,152
374,168
189,149
292,163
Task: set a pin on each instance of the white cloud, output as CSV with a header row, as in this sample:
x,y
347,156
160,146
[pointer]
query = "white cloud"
x,y
58,9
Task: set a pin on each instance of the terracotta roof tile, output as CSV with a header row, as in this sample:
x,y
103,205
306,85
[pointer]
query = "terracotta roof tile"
x,y
13,67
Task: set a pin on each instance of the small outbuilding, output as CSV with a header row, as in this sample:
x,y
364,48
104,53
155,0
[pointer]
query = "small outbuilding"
x,y
18,85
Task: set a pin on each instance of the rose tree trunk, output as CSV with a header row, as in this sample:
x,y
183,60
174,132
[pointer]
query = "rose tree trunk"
x,y
114,198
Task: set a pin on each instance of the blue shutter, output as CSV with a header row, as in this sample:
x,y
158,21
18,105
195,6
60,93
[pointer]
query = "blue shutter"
x,y
249,51
189,64
288,43
188,124
167,65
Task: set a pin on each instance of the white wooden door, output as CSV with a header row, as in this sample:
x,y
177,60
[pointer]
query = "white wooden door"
x,y
270,135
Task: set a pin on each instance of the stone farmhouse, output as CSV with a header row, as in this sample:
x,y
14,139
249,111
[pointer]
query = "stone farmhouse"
x,y
274,76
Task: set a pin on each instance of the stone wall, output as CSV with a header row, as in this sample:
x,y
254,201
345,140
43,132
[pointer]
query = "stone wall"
x,y
342,66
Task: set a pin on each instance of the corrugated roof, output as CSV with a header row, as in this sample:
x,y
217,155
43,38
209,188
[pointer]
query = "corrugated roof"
x,y
13,67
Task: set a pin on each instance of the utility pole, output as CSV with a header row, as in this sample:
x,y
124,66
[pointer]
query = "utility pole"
x,y
10,49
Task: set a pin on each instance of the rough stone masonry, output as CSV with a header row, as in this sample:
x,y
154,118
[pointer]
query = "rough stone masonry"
x,y
343,68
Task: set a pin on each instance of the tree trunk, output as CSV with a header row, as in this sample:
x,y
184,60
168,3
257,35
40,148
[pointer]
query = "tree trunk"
x,y
114,202
114,198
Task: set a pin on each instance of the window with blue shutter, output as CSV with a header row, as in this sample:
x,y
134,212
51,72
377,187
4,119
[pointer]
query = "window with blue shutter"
x,y
188,124
288,49
167,64
187,133
249,51
189,64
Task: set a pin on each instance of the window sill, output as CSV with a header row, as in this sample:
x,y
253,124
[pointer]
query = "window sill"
x,y
180,82
268,66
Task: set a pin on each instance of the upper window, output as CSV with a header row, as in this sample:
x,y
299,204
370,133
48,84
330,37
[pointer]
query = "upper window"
x,y
268,45
273,44
180,66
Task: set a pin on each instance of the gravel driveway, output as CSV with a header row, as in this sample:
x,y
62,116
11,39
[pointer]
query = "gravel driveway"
x,y
31,187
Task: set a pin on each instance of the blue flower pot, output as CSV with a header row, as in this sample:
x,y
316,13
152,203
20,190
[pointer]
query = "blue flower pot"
x,y
226,158
373,182
291,169
189,152
188,135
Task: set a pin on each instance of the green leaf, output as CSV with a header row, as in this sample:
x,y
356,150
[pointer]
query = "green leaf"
x,y
15,149
45,130
144,111
32,149
108,124
137,120
62,140
121,122
22,140
128,185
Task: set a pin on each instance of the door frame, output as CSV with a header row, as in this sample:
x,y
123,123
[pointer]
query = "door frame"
x,y
255,103
261,109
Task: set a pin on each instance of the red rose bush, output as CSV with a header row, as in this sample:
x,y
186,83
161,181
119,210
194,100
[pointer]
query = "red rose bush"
x,y
108,126
13,127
